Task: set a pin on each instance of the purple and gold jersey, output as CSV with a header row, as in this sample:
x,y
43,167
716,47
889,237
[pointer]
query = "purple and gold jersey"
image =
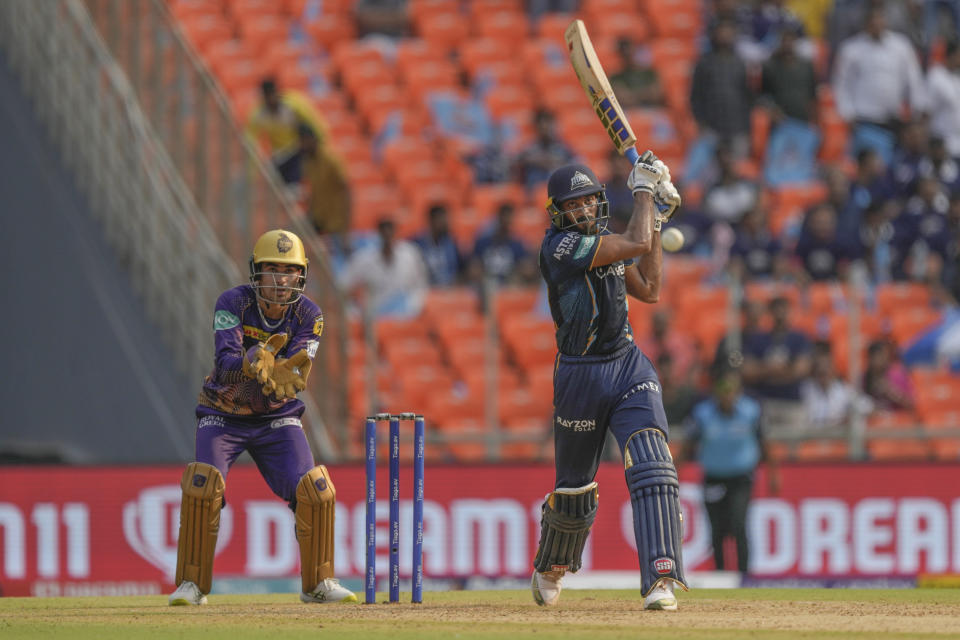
x,y
588,304
238,326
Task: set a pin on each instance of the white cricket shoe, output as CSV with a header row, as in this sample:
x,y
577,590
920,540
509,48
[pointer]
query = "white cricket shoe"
x,y
329,590
546,587
661,597
187,594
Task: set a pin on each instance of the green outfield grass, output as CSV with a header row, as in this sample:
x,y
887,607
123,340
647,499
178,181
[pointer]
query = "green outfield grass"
x,y
704,613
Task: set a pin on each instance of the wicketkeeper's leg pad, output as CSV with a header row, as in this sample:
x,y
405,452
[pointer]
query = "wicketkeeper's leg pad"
x,y
316,500
200,506
655,496
567,515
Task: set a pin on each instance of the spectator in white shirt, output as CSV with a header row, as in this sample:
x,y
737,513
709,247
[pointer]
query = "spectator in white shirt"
x,y
876,76
829,402
943,89
392,274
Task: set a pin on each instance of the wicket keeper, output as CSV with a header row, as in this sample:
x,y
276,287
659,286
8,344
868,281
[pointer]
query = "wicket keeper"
x,y
266,335
602,381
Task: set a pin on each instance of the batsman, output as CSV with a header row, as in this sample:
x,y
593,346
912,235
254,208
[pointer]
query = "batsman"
x,y
602,381
266,334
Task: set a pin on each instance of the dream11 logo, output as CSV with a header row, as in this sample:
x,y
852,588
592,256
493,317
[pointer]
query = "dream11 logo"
x,y
151,525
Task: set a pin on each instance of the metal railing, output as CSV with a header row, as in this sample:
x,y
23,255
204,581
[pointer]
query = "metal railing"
x,y
182,194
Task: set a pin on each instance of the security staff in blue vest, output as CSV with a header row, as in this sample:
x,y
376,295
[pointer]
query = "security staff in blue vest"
x,y
725,436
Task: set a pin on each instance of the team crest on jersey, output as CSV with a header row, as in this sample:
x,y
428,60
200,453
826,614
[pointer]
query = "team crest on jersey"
x,y
318,326
580,180
284,243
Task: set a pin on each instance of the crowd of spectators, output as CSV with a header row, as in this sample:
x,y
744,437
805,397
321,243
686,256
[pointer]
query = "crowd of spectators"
x,y
770,83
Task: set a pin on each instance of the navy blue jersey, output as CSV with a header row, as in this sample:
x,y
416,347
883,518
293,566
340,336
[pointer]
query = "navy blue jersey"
x,y
588,304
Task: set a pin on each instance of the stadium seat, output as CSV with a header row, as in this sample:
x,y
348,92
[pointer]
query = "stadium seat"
x,y
403,352
893,296
514,301
889,419
390,328
946,449
331,29
821,451
898,449
506,27
908,323
443,30
519,402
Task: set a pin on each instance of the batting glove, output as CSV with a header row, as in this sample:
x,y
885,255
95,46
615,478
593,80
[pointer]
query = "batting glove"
x,y
667,199
645,175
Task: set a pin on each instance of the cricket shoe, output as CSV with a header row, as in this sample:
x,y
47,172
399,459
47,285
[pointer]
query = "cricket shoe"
x,y
546,587
329,590
187,594
661,597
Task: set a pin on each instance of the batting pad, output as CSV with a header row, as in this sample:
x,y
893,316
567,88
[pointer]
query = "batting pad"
x,y
316,498
655,496
567,515
202,499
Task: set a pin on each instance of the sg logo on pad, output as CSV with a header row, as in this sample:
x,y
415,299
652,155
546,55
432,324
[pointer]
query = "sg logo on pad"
x,y
663,565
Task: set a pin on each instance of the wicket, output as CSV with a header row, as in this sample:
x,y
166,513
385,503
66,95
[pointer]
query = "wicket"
x,y
370,438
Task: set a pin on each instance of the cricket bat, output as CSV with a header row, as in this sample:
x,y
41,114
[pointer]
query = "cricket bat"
x,y
594,81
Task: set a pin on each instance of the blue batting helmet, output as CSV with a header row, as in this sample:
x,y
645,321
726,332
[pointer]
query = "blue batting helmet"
x,y
575,181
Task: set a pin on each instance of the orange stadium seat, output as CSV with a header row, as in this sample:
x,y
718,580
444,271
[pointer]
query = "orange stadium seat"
x,y
947,449
930,375
205,30
823,298
908,323
937,399
442,302
684,22
443,30
898,449
889,419
371,204
892,297
260,32
821,451
508,27
941,419
611,25
521,403
515,301
388,329
403,352
331,29
417,382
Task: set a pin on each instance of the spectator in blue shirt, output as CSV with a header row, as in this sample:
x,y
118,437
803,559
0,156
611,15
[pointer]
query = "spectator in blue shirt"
x,y
724,434
821,252
500,255
774,366
441,254
756,253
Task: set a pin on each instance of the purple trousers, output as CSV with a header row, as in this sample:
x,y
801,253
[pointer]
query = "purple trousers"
x,y
278,446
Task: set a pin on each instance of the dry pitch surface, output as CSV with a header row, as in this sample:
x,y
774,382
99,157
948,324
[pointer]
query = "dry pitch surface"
x,y
704,613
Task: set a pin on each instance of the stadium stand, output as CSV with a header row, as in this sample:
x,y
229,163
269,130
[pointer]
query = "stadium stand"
x,y
405,112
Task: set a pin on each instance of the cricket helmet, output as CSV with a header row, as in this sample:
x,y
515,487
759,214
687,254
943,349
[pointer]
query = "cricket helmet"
x,y
575,181
278,247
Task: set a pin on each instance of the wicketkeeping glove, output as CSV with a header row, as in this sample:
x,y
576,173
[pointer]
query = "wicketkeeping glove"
x,y
289,376
667,199
264,355
646,174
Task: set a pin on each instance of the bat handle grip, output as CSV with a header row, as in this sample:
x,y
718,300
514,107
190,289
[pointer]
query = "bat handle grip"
x,y
631,155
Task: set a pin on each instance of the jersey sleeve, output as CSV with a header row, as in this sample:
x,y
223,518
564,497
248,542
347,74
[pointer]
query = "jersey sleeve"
x,y
307,332
228,339
565,254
